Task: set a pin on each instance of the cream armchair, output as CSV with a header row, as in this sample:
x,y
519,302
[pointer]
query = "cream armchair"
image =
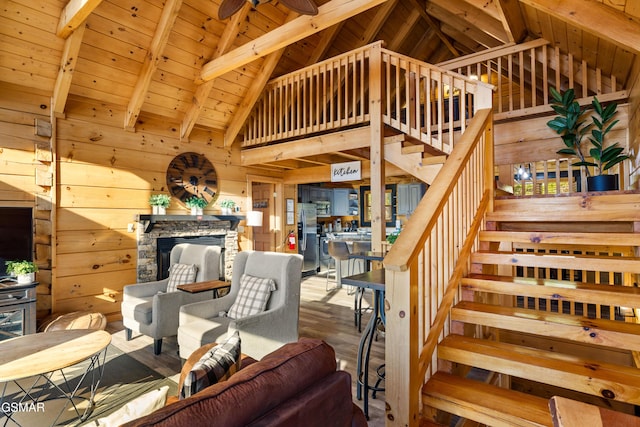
x,y
261,333
148,308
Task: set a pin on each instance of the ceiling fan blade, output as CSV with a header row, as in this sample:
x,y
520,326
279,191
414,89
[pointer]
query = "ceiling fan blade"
x,y
229,7
304,7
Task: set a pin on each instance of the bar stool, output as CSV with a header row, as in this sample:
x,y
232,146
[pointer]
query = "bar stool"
x,y
339,251
359,246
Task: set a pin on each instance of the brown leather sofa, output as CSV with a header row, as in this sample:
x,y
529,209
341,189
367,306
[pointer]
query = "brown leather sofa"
x,y
296,385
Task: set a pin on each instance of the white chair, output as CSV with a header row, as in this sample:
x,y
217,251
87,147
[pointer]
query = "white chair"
x,y
260,333
152,309
339,252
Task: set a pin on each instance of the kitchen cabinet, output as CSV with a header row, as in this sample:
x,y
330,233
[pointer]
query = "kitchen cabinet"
x,y
303,194
409,195
345,202
320,194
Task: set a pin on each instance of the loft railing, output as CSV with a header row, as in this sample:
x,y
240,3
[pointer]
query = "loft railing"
x,y
325,96
522,75
424,101
426,263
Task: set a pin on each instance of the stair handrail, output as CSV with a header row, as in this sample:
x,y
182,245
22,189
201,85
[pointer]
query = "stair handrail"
x,y
416,313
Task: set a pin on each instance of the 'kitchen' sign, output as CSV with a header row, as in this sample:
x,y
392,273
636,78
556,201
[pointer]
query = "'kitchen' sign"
x,y
349,171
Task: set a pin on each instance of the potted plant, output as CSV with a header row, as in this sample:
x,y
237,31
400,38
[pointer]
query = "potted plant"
x,y
159,203
572,126
227,206
23,270
196,204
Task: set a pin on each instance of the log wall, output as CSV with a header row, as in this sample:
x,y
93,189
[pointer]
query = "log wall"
x,y
104,177
26,174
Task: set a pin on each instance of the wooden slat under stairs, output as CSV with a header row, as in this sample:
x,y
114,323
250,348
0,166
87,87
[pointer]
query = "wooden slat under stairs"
x,y
550,309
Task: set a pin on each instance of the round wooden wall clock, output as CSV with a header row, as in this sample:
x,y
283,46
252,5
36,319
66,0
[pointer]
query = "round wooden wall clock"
x,y
192,174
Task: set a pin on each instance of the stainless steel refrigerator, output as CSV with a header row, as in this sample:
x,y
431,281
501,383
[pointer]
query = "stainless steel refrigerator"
x,y
308,238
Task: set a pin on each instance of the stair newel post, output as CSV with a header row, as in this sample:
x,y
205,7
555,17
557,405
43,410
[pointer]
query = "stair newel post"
x,y
401,347
376,160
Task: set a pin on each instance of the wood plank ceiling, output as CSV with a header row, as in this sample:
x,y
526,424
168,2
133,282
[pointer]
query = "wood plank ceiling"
x,y
174,60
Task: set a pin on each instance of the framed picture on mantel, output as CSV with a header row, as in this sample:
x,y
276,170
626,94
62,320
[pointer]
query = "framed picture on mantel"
x,y
389,205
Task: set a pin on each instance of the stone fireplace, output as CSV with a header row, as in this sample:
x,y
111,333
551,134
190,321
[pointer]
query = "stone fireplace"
x,y
182,228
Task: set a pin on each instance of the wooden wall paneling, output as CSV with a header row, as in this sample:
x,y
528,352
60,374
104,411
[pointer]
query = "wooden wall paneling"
x,y
141,179
82,264
72,287
97,303
72,241
94,219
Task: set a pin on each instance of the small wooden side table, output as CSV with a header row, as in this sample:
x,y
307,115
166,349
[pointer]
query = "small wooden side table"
x,y
211,285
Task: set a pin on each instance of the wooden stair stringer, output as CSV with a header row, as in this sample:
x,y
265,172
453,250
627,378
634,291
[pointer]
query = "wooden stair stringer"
x,y
412,163
620,383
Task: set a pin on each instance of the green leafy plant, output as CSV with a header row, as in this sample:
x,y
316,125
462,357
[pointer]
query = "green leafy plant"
x,y
160,200
569,124
572,126
20,267
604,157
227,203
196,202
391,238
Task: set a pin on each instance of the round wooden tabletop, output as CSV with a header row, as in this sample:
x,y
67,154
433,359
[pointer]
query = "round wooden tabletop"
x,y
36,354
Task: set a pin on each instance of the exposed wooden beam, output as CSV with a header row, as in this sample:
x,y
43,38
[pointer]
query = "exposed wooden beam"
x,y
151,61
421,7
74,14
323,173
474,16
402,33
254,91
595,18
317,145
230,33
512,20
65,73
326,40
328,14
441,12
373,27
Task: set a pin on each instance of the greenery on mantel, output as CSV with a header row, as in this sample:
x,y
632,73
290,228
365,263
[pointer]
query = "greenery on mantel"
x,y
163,200
196,202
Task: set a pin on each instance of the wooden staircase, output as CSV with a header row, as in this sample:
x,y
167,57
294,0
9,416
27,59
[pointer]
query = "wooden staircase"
x,y
550,308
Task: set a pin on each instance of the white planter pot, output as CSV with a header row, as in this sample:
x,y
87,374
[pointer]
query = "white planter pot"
x,y
159,210
226,211
24,279
196,211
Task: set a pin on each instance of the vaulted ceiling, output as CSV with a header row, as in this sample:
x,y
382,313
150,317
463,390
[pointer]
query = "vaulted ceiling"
x,y
174,59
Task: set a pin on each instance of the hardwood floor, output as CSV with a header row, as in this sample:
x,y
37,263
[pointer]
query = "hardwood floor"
x,y
324,315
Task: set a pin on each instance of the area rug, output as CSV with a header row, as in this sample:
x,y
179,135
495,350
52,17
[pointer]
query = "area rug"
x,y
124,379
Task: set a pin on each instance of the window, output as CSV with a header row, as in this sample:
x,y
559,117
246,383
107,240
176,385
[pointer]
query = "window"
x,y
389,205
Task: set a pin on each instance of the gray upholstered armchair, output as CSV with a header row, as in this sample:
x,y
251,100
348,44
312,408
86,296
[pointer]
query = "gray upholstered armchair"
x,y
150,309
260,333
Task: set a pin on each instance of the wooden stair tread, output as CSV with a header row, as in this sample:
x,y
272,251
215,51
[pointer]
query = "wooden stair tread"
x,y
561,290
565,261
485,403
571,238
603,332
610,207
598,378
